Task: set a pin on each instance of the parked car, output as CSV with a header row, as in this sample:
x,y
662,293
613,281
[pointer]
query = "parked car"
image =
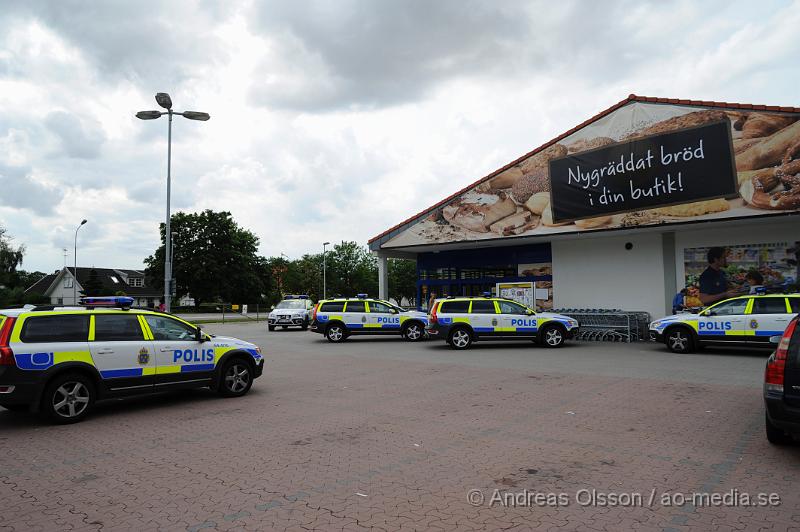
x,y
60,360
782,386
746,321
460,321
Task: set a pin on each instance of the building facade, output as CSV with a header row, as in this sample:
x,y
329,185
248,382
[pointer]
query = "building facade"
x,y
620,211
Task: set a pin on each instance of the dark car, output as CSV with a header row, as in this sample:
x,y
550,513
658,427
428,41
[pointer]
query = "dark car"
x,y
782,387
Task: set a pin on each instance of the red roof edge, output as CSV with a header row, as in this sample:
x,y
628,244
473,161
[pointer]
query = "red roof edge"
x,y
631,98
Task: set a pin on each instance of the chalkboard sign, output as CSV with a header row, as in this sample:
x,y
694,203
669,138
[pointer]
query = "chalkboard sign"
x,y
682,166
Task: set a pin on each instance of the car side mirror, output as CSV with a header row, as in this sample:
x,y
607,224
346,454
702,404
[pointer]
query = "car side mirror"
x,y
708,312
775,339
529,312
199,336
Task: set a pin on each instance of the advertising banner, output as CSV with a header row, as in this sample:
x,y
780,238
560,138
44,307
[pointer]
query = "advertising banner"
x,y
689,165
521,292
643,164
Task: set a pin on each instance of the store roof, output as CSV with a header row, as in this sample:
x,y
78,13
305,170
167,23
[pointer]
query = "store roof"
x,y
374,244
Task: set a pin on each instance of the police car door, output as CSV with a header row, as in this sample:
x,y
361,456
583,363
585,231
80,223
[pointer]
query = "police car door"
x,y
483,316
724,322
382,317
355,315
768,317
515,319
181,359
121,352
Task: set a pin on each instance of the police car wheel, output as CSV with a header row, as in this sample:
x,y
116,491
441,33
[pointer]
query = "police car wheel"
x,y
460,339
237,378
552,336
271,327
679,341
413,332
68,398
335,333
775,435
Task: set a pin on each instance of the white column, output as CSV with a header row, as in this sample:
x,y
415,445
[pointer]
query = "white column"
x,y
383,277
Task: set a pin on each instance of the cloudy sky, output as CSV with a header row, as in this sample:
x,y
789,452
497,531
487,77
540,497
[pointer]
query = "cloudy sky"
x,y
331,120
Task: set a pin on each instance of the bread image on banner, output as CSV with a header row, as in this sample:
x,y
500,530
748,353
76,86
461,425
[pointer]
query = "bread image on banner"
x,y
762,149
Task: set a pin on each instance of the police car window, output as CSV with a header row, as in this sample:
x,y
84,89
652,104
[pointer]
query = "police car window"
x,y
484,306
507,307
332,306
292,304
168,329
66,328
454,307
355,306
117,328
730,308
794,302
374,306
769,305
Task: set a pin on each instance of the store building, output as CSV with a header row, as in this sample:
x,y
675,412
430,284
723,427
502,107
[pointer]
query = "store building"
x,y
619,212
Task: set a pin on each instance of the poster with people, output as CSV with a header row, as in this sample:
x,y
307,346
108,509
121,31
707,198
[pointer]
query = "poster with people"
x,y
715,273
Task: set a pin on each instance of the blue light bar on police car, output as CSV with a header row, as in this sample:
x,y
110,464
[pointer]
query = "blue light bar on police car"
x,y
107,301
361,296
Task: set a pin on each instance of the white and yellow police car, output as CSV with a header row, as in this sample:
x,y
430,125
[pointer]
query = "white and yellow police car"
x,y
748,321
464,320
59,360
339,318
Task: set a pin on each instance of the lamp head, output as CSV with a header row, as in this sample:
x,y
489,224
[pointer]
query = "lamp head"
x,y
148,115
84,221
196,115
164,100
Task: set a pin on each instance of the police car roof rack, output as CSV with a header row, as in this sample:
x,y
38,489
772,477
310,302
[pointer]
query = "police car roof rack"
x,y
44,308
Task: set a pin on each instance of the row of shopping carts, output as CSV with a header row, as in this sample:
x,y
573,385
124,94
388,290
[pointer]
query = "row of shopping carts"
x,y
609,325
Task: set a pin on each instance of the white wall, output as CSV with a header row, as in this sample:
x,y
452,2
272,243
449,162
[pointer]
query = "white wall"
x,y
66,294
787,230
598,272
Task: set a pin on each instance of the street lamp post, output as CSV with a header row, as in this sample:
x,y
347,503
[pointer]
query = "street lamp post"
x,y
75,266
324,271
163,99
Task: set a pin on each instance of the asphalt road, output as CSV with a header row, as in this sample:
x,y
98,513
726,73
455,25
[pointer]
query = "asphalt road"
x,y
642,360
377,433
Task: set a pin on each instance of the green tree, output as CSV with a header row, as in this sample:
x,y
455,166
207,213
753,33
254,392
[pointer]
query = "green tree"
x,y
93,286
213,259
403,280
351,270
10,259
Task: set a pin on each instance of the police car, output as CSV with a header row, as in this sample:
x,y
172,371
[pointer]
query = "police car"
x,y
747,321
339,318
292,311
59,360
464,320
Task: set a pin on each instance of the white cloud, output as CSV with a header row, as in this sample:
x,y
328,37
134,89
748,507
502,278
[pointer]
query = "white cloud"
x,y
329,121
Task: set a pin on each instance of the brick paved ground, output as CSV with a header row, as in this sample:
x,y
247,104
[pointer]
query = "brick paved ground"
x,y
372,435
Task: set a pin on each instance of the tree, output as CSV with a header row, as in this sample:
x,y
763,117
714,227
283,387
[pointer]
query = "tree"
x,y
10,259
93,286
351,270
213,259
403,279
